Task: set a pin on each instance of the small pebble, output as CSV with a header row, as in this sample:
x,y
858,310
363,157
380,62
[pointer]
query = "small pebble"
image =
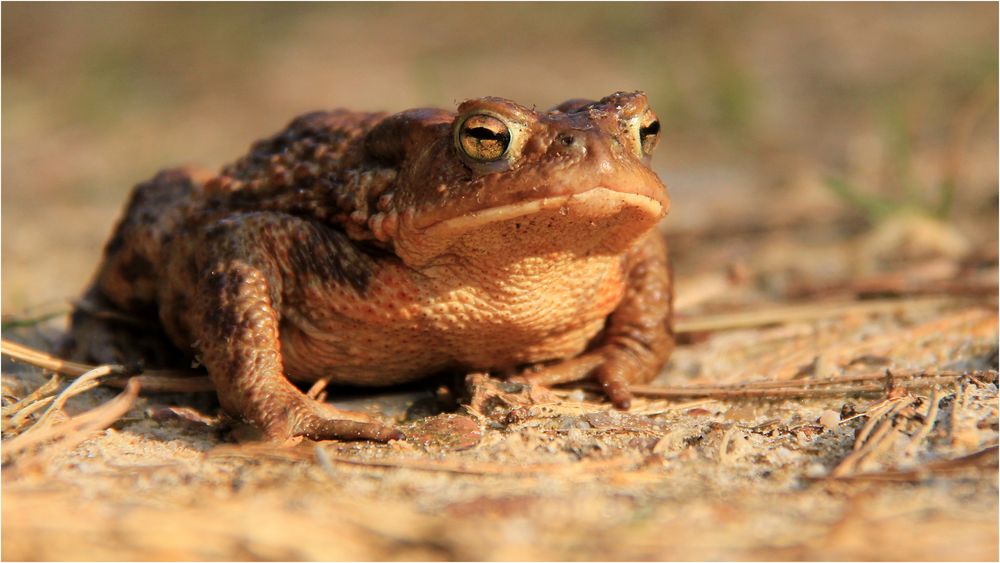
x,y
829,420
815,470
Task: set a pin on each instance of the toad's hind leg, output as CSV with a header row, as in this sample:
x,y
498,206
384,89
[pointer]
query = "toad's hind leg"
x,y
249,264
116,319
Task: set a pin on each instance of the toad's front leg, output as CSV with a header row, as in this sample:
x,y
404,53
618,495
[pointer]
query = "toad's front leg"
x,y
638,338
246,265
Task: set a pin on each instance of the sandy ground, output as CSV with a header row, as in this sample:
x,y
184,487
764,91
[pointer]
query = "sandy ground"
x,y
563,477
767,109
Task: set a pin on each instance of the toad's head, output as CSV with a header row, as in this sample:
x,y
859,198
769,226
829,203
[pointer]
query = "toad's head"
x,y
497,179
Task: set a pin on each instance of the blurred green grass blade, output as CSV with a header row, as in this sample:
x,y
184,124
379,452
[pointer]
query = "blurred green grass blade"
x,y
946,198
14,323
873,206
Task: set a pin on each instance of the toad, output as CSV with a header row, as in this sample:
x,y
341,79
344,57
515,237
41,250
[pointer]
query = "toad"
x,y
372,249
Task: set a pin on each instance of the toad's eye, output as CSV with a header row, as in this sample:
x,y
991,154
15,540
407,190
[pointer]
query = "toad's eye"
x,y
649,133
483,137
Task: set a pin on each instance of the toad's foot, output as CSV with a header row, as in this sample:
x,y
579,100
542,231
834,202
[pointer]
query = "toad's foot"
x,y
318,421
612,371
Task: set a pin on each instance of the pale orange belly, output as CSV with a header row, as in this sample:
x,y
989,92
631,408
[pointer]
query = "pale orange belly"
x,y
400,332
371,356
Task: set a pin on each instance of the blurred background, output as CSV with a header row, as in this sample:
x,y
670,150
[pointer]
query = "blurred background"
x,y
850,136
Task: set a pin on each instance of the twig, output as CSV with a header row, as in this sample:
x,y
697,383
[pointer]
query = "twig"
x,y
852,459
15,422
317,389
743,393
166,384
886,408
873,410
793,388
41,359
878,447
985,458
869,444
661,408
957,408
925,430
153,381
80,425
874,415
47,388
850,418
798,313
874,376
84,383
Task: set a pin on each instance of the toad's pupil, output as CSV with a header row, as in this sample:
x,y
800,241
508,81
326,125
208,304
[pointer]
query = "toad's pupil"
x,y
484,143
484,134
647,136
651,129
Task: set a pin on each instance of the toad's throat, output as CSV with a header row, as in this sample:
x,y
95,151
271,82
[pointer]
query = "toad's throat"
x,y
596,203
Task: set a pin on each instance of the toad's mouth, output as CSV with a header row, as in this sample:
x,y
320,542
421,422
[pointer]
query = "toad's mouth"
x,y
595,221
591,205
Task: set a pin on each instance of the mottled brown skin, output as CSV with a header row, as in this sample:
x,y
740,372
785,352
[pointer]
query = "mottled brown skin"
x,y
372,249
